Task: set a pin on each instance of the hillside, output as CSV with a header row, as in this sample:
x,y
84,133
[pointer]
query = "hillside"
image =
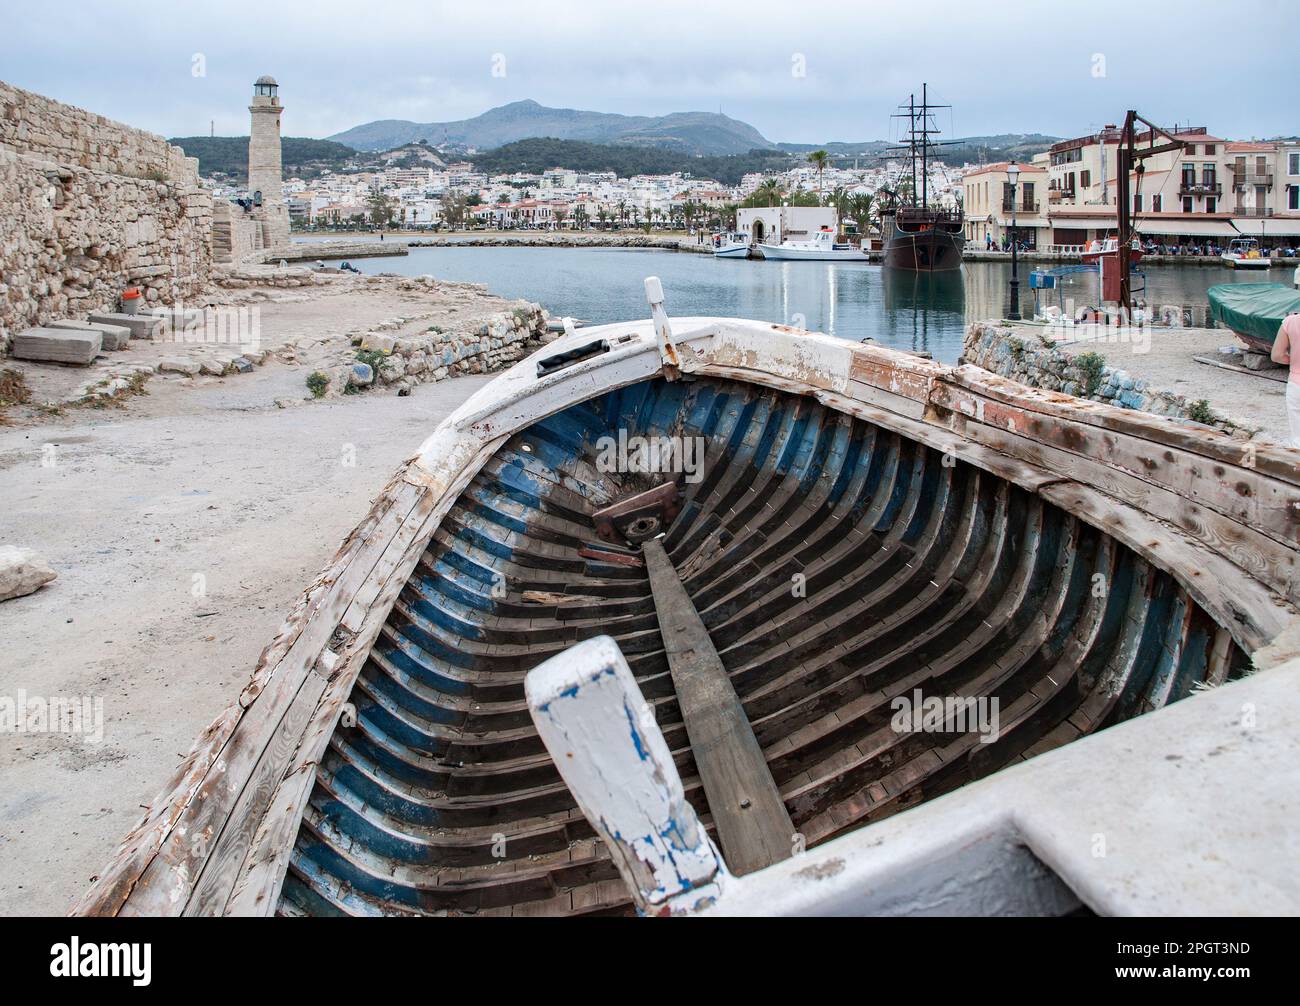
x,y
1001,147
536,155
300,155
687,132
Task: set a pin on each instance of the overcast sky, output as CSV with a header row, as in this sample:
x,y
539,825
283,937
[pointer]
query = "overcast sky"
x,y
1050,67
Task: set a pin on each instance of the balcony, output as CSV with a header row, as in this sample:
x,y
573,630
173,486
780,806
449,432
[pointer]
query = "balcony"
x,y
1060,195
1252,211
1193,188
1240,180
1028,209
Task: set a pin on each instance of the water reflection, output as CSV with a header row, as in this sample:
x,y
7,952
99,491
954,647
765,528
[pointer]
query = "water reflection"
x,y
852,300
922,308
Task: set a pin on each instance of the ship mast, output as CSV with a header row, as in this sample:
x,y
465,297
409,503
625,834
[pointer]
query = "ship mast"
x,y
925,143
911,139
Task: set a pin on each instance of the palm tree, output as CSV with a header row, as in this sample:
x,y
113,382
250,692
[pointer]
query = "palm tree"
x,y
602,215
862,207
839,198
819,159
770,190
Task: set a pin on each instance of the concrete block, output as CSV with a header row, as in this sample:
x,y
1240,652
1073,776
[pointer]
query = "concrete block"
x,y
112,337
56,345
142,326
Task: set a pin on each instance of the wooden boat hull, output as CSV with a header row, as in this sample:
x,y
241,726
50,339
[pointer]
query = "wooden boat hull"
x,y
865,525
937,249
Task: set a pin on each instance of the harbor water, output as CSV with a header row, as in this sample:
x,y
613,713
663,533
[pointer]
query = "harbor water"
x,y
903,310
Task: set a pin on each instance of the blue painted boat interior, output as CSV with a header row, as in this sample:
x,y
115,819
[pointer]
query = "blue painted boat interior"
x,y
914,572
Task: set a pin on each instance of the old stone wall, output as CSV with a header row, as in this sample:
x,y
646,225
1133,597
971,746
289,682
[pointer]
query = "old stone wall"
x,y
1034,361
381,358
91,206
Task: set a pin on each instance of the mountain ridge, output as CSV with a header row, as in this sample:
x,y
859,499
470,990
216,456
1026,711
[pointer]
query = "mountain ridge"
x,y
688,132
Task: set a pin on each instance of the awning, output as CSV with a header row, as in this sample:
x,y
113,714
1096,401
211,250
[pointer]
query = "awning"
x,y
1150,228
1268,227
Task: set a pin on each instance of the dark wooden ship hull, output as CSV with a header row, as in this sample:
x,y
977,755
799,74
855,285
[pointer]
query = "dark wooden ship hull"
x,y
953,533
936,248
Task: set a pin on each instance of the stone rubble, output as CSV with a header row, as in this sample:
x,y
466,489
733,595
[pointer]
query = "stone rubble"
x,y
22,572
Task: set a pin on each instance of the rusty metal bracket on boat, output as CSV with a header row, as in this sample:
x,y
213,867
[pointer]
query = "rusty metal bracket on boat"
x,y
638,518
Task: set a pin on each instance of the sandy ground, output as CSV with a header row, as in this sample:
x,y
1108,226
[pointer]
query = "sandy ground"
x,y
1168,364
183,525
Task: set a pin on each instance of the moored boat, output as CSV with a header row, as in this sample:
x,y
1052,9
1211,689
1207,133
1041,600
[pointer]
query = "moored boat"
x,y
735,244
1254,311
821,247
918,239
919,236
1245,253
837,527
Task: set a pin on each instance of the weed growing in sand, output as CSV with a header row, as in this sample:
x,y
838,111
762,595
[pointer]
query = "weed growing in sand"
x,y
1199,411
317,382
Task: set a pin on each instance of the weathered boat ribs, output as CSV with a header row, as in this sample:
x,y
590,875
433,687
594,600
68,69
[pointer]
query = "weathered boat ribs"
x,y
912,572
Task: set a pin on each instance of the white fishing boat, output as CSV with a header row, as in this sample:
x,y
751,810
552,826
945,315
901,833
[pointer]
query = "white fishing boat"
x,y
821,247
732,245
1245,253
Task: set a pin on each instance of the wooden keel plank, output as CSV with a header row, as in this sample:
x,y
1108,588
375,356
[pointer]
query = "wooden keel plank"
x,y
752,823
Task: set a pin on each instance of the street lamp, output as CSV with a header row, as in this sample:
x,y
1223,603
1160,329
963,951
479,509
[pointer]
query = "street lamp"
x,y
1013,175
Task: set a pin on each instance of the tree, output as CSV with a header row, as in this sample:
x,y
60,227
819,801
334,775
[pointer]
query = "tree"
x,y
454,209
560,213
819,159
861,208
769,191
602,215
839,198
381,207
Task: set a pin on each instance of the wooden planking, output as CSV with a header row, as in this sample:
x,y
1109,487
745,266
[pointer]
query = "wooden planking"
x,y
256,889
183,824
753,825
1272,460
118,881
218,871
1243,493
1240,604
199,830
1258,554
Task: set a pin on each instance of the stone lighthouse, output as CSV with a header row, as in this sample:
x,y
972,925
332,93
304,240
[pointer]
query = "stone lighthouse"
x,y
264,182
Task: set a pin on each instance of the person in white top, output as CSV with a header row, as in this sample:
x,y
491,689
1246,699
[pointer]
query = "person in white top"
x,y
1285,352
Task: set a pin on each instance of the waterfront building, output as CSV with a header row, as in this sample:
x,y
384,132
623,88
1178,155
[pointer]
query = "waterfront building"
x,y
1206,194
987,202
774,224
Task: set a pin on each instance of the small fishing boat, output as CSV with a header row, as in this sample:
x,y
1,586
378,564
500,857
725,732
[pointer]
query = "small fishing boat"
x,y
735,244
811,530
821,247
1245,253
1254,311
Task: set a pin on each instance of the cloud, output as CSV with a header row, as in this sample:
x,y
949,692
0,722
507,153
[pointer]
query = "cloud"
x,y
1027,68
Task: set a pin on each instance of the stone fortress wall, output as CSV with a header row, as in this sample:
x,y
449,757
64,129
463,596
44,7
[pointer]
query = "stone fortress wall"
x,y
89,206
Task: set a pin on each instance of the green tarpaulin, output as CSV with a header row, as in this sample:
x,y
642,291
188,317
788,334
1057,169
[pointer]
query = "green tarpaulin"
x,y
1253,310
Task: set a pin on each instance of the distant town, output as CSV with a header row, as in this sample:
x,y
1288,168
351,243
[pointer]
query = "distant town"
x,y
1192,201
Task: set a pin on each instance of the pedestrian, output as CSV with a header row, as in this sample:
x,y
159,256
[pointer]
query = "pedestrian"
x,y
1284,352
